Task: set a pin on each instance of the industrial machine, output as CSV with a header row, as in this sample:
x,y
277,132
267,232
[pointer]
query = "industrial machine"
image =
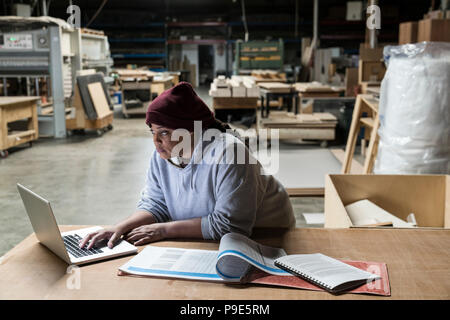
x,y
40,56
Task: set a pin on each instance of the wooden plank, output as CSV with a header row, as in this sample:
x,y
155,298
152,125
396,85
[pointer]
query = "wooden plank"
x,y
311,87
373,147
308,117
3,130
367,121
98,99
99,123
325,116
11,101
20,137
370,101
19,111
282,119
276,87
352,136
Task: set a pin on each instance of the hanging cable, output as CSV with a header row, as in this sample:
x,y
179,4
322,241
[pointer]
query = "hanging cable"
x,y
244,20
48,7
296,19
96,13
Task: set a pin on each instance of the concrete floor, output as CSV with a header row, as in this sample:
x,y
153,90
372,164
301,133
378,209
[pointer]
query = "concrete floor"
x,y
89,180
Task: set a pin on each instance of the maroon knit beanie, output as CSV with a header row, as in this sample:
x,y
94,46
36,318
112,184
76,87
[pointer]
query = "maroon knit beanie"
x,y
178,107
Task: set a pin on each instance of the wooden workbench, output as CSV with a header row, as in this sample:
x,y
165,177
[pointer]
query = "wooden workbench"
x,y
417,262
15,109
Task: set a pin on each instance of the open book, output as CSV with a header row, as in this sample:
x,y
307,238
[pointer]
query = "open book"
x,y
238,260
236,255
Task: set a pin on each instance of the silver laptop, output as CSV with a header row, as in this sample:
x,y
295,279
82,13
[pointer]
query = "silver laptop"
x,y
65,245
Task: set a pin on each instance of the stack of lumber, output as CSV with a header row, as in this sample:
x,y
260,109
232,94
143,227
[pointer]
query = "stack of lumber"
x,y
290,126
220,88
251,88
236,87
283,119
135,75
268,76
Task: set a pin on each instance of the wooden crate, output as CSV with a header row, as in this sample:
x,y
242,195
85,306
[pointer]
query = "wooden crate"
x,y
14,109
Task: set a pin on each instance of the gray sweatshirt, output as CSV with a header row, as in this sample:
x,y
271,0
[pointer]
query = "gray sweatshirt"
x,y
227,196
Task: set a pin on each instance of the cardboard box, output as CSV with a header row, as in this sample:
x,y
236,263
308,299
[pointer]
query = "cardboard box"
x,y
369,54
427,196
408,32
434,30
371,71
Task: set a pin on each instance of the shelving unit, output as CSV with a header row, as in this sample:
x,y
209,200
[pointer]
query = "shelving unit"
x,y
259,55
148,49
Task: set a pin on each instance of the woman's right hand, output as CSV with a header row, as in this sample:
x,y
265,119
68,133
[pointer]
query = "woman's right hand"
x,y
109,233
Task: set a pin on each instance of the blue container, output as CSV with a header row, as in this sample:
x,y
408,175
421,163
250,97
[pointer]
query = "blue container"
x,y
118,97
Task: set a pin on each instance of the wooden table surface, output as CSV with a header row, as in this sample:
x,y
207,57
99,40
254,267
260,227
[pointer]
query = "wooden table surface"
x,y
417,261
12,100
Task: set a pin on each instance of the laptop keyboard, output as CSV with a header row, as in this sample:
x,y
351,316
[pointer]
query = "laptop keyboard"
x,y
72,245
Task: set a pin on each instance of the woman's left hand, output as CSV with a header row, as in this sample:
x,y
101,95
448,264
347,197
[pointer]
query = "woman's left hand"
x,y
146,234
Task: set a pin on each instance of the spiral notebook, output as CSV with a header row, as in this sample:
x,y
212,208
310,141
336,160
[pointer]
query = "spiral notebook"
x,y
330,274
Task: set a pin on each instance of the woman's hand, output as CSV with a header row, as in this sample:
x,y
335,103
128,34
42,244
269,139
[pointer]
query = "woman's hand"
x,y
146,234
110,233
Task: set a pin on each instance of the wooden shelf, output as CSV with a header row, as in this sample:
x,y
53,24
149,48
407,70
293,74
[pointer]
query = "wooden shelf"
x,y
367,122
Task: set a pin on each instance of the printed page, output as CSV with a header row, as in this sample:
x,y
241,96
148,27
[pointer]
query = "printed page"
x,y
174,262
237,253
327,270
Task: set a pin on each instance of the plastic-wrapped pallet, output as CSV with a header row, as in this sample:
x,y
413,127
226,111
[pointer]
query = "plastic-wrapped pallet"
x,y
414,110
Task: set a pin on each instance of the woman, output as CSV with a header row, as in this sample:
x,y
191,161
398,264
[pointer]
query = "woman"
x,y
202,190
